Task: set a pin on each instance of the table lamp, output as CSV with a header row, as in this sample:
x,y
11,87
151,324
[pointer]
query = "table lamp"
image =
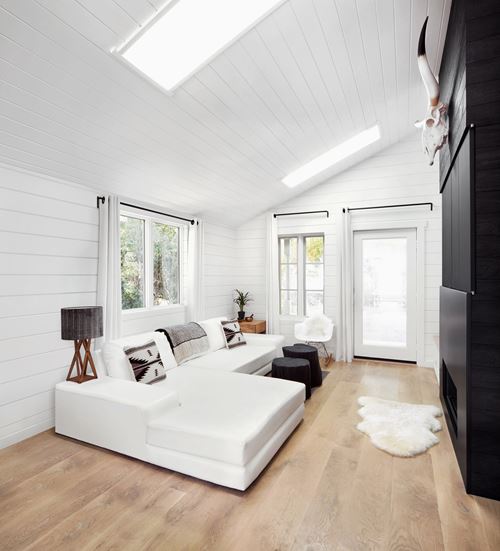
x,y
81,324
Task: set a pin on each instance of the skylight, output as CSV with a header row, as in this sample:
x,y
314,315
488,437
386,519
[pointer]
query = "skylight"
x,y
332,157
189,34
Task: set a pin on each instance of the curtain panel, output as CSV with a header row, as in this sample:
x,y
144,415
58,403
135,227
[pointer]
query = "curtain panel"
x,y
109,294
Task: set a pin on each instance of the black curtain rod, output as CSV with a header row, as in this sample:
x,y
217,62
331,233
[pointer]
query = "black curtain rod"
x,y
431,205
304,212
158,212
102,199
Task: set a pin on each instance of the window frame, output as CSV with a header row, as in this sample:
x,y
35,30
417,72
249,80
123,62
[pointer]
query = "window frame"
x,y
149,220
301,273
280,264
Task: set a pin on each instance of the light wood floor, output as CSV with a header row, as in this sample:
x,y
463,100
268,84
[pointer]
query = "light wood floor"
x,y
328,488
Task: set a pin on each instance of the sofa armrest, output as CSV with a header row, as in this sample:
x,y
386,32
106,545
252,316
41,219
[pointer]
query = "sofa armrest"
x,y
111,413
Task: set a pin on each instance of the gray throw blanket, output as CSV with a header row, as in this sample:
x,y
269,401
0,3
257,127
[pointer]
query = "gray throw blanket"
x,y
187,341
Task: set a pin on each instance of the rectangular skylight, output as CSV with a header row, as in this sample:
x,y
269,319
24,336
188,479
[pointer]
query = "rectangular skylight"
x,y
189,34
333,156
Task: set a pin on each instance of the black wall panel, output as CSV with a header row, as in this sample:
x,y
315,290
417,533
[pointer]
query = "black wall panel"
x,y
457,221
452,82
470,79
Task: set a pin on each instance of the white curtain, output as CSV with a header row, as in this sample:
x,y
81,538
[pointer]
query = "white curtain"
x,y
345,338
195,294
109,293
272,276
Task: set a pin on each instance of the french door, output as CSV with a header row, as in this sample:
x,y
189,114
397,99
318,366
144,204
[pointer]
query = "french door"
x,y
385,291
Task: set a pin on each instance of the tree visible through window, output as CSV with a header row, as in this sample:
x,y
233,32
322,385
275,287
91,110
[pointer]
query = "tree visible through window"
x,y
165,264
150,262
132,262
301,275
314,276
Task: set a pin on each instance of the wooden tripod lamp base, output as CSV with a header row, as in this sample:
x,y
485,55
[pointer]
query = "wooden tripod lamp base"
x,y
82,365
81,324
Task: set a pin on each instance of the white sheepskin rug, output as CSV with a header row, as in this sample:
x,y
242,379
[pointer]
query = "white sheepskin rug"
x,y
404,430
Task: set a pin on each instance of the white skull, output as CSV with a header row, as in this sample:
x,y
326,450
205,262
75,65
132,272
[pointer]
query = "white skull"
x,y
434,130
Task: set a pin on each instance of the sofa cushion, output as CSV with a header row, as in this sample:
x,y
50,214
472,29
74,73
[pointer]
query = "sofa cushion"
x,y
145,362
232,334
215,334
223,416
116,362
242,359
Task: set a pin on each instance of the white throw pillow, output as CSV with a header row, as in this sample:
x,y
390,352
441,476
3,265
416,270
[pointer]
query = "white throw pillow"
x,y
215,333
146,364
117,363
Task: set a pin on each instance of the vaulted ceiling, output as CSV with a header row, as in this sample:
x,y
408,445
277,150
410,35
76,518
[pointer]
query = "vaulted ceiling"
x,y
307,77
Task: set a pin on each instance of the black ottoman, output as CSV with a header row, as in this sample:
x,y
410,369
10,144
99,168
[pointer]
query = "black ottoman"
x,y
293,369
306,352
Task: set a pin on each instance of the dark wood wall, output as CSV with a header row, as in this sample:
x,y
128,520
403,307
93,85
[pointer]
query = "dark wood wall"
x,y
483,110
470,84
458,270
452,82
483,61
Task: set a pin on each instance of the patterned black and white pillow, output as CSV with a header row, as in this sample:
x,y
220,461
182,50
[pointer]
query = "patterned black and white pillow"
x,y
232,334
146,363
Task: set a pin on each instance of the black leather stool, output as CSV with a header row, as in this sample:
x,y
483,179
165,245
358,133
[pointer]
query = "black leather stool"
x,y
309,353
293,369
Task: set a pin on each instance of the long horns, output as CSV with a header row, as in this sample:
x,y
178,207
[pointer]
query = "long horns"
x,y
430,82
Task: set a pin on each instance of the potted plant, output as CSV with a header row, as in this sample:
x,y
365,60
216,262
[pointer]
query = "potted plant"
x,y
242,299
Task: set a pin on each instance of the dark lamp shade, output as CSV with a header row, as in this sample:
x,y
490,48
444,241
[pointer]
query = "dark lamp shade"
x,y
81,322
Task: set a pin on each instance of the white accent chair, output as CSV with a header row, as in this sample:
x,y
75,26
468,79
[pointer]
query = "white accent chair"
x,y
316,330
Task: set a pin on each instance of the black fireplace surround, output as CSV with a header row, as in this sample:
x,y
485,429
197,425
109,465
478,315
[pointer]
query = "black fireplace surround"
x,y
470,292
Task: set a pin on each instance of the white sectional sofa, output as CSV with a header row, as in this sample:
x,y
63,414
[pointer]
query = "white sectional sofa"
x,y
209,418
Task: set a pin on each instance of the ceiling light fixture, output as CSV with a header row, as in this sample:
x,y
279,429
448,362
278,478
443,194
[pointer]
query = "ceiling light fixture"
x,y
188,34
332,157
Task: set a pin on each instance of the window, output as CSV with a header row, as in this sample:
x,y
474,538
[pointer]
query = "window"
x,y
132,262
301,275
165,264
289,282
313,274
150,262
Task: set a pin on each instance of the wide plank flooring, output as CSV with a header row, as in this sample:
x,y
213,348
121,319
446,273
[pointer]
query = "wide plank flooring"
x,y
328,488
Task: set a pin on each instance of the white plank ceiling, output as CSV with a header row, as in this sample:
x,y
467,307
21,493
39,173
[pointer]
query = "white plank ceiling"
x,y
309,76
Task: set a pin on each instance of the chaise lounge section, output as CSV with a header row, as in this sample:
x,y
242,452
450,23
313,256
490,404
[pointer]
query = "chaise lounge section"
x,y
209,418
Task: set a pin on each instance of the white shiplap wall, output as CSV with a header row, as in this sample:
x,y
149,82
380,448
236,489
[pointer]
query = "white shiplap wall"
x,y
134,323
399,174
48,259
220,273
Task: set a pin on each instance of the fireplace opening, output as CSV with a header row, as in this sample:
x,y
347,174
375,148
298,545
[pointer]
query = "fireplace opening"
x,y
450,396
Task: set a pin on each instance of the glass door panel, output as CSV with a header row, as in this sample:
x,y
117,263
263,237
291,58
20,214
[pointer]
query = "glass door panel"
x,y
385,294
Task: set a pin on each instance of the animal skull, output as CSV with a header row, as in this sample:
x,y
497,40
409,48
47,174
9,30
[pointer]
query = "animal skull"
x,y
434,130
435,124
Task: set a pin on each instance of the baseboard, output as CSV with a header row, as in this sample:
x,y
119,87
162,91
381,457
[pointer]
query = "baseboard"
x,y
25,433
